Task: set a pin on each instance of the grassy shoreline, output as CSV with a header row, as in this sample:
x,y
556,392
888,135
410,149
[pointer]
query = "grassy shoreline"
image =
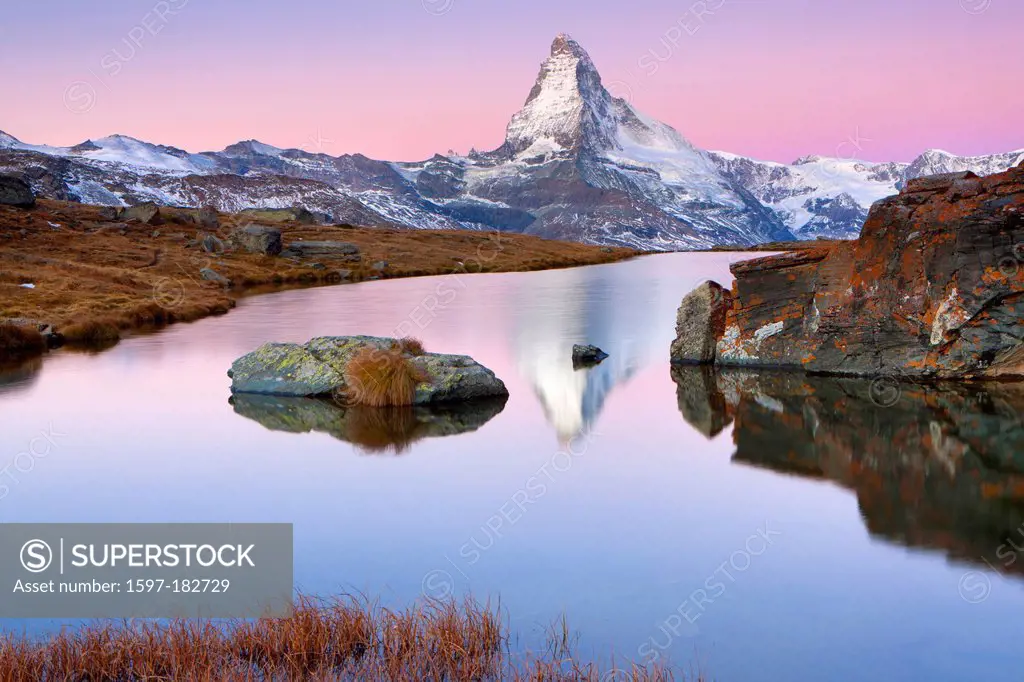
x,y
92,276
347,638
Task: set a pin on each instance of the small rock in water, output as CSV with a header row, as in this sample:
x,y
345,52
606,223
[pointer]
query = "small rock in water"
x,y
586,356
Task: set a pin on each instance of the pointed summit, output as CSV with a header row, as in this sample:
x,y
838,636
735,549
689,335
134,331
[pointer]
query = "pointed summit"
x,y
568,108
564,44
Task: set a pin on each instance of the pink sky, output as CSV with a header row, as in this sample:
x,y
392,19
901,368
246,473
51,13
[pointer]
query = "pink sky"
x,y
774,79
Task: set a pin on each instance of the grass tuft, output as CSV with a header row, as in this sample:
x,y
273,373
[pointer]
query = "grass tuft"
x,y
17,342
382,378
92,334
409,345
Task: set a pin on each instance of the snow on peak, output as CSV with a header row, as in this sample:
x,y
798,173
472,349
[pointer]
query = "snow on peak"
x,y
128,151
568,108
8,141
246,147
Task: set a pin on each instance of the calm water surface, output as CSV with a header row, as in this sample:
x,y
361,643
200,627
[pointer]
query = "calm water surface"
x,y
770,528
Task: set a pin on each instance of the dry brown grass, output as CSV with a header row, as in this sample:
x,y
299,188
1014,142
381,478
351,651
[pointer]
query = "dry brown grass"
x,y
92,334
94,269
410,345
379,377
345,639
18,342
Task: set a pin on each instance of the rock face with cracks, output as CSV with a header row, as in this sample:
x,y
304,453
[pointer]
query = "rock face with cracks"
x,y
318,368
934,287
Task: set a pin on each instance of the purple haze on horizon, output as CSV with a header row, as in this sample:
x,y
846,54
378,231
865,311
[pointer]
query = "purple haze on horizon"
x,y
773,79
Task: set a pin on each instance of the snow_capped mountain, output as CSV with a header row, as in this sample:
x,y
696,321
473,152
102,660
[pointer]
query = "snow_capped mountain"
x,y
576,164
819,197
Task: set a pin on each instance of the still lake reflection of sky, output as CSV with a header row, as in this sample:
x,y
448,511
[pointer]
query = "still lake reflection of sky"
x,y
618,537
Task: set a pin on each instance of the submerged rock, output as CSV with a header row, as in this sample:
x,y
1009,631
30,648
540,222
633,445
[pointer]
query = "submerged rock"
x,y
373,429
933,287
319,368
587,356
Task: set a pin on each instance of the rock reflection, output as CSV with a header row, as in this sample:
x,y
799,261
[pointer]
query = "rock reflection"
x,y
374,430
942,467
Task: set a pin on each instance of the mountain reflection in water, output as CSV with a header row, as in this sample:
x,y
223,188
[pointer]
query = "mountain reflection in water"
x,y
588,307
940,468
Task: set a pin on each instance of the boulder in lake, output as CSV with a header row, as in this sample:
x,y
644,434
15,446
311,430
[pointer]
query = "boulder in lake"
x,y
587,356
700,322
16,192
320,368
934,287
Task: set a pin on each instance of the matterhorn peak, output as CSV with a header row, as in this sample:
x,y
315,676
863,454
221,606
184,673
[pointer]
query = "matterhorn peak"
x,y
564,44
568,109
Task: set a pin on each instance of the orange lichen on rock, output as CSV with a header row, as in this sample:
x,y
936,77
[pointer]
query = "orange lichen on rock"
x,y
934,286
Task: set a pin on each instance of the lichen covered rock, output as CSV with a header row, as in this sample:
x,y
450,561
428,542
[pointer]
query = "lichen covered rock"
x,y
933,287
700,322
318,368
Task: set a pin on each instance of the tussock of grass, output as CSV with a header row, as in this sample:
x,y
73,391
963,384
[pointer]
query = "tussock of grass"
x,y
18,342
92,334
409,345
382,378
345,639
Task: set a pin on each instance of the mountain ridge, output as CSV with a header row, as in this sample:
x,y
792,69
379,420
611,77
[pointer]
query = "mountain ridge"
x,y
577,163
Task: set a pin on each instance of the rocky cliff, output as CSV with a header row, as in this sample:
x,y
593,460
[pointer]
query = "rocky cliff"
x,y
933,287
